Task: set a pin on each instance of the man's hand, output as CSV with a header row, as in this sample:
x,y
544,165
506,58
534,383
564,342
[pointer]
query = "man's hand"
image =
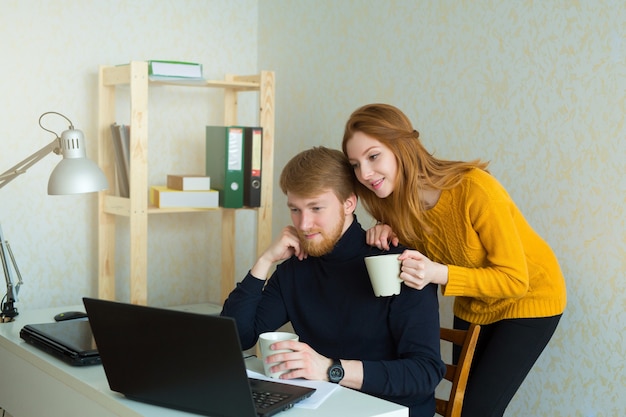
x,y
303,362
284,247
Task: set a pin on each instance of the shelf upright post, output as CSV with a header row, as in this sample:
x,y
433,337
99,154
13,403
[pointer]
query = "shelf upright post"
x,y
106,221
138,218
266,119
228,214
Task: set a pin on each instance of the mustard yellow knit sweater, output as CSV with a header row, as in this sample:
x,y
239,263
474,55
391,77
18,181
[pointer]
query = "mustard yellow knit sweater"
x,y
498,266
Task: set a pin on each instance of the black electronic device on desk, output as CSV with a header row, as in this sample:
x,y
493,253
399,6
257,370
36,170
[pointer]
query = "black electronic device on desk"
x,y
181,360
70,315
70,341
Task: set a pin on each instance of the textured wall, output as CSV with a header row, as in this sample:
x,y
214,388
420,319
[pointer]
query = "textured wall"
x,y
51,51
538,88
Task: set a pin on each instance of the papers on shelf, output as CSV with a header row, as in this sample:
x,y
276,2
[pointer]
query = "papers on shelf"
x,y
324,389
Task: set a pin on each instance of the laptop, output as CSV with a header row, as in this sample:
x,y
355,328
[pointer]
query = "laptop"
x,y
182,360
70,341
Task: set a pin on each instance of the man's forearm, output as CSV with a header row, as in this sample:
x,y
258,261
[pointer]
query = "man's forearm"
x,y
261,269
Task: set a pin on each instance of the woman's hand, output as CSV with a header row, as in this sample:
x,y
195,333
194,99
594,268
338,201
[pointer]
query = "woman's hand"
x,y
418,271
381,236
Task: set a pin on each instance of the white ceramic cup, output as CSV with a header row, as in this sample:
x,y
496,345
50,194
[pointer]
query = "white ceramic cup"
x,y
265,341
384,272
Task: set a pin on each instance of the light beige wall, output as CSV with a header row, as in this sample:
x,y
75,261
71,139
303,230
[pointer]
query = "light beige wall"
x,y
51,51
538,88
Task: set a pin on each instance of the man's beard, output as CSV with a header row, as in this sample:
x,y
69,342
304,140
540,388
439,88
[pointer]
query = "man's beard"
x,y
328,242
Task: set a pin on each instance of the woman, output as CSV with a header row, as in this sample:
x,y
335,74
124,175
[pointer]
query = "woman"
x,y
470,238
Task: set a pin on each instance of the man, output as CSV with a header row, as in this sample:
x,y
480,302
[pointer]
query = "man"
x,y
383,346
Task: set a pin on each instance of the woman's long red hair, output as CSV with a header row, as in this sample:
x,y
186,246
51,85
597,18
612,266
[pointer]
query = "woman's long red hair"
x,y
418,170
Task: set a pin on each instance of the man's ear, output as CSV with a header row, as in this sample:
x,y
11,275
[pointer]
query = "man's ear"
x,y
349,206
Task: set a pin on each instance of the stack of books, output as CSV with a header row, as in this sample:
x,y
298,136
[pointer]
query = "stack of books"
x,y
174,71
193,191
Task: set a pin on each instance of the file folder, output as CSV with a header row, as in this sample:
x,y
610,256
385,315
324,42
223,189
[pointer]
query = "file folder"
x,y
253,143
224,163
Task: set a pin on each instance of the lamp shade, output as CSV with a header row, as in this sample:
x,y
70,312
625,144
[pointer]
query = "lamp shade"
x,y
75,174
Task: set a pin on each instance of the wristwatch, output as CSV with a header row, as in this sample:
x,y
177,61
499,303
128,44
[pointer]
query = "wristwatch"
x,y
335,372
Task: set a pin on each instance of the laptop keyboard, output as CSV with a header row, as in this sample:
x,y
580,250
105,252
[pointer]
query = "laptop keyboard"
x,y
264,400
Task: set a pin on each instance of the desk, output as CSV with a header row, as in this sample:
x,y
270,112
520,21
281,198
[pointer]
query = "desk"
x,y
34,383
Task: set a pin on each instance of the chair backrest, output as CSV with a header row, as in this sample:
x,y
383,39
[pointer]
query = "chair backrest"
x,y
457,374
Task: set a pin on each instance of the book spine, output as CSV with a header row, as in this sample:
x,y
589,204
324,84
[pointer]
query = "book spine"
x,y
121,166
163,197
188,182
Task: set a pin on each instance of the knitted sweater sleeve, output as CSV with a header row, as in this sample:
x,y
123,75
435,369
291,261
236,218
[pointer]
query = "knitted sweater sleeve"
x,y
490,261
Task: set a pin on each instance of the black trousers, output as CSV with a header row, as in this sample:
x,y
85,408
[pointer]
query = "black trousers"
x,y
505,353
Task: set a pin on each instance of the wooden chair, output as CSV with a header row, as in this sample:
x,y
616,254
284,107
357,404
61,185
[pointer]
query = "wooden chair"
x,y
457,374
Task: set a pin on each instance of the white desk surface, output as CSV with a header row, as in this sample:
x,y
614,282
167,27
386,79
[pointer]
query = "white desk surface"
x,y
35,384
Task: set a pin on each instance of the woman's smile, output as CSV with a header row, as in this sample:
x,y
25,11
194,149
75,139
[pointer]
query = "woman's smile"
x,y
377,184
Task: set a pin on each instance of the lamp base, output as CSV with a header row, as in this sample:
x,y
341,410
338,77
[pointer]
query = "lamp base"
x,y
7,307
9,312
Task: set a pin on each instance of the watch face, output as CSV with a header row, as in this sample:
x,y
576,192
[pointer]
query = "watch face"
x,y
335,373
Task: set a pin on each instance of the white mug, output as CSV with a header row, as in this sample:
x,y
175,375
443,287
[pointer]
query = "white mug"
x,y
265,341
384,272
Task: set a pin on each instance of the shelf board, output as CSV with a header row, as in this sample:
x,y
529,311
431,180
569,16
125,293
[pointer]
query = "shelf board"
x,y
233,85
120,75
164,210
120,206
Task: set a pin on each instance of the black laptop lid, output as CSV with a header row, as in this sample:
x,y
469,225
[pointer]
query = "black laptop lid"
x,y
70,340
175,359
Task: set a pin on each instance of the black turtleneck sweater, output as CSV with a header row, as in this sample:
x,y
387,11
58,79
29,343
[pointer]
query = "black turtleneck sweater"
x,y
332,307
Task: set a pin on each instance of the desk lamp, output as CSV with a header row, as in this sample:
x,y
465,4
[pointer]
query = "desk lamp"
x,y
75,174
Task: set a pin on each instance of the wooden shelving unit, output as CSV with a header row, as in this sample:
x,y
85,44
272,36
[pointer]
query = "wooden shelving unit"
x,y
136,207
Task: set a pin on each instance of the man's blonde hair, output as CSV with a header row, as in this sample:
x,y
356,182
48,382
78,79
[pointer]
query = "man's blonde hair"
x,y
317,170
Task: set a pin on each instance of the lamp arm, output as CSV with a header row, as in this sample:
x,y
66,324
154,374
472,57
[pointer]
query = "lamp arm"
x,y
8,310
21,167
